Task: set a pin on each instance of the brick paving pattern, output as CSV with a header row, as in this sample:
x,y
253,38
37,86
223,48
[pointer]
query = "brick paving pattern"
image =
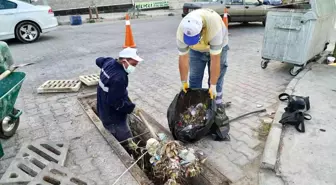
x,y
71,52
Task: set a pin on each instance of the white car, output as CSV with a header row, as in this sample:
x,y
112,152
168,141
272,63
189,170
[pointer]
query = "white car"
x,y
25,21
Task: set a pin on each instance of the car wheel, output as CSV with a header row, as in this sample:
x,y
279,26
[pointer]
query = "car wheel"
x,y
27,32
264,23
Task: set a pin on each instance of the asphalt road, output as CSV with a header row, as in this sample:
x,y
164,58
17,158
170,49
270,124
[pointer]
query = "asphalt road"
x,y
71,51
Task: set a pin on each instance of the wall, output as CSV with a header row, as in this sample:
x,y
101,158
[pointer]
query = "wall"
x,y
76,4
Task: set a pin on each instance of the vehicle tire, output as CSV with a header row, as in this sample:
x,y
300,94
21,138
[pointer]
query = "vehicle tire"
x,y
7,131
264,64
264,23
294,73
27,32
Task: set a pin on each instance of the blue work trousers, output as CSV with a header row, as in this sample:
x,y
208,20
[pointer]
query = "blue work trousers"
x,y
198,61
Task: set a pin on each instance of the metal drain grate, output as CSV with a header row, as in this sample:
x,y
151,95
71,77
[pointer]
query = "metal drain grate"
x,y
56,174
59,86
32,159
89,80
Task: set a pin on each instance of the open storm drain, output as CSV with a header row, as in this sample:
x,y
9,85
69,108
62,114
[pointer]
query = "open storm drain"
x,y
143,171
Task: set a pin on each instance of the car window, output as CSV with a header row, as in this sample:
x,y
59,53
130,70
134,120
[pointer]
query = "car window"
x,y
251,2
234,2
4,5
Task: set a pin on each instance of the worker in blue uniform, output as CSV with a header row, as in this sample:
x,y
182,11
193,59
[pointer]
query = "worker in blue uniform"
x,y
113,103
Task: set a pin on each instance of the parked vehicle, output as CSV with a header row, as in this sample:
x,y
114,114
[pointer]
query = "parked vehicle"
x,y
238,10
25,21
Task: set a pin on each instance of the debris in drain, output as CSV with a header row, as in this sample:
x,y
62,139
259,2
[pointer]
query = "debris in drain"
x,y
194,116
170,162
167,161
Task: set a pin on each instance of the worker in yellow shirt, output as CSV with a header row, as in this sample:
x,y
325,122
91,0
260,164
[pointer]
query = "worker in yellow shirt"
x,y
202,39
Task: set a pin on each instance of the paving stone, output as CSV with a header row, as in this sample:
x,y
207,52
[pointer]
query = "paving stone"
x,y
31,112
241,161
95,176
80,154
4,164
59,112
9,152
86,165
251,142
248,152
63,118
53,86
248,131
57,174
24,133
6,143
38,133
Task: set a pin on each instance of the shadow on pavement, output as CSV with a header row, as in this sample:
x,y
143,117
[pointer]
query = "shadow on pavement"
x,y
43,38
245,25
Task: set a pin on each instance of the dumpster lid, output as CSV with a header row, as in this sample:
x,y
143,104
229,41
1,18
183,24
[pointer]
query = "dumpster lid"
x,y
324,7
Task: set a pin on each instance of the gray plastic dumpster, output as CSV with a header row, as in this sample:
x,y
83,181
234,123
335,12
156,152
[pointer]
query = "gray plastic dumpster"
x,y
297,33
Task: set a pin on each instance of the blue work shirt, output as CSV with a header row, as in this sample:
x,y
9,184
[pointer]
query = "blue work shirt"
x,y
113,103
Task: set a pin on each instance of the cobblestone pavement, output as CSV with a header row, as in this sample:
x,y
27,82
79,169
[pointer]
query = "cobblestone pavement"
x,y
71,51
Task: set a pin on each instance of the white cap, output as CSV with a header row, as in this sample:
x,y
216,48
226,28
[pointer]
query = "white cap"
x,y
130,53
191,26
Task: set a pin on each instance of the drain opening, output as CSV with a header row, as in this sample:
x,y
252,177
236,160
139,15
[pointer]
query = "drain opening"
x,y
57,172
77,181
51,149
27,170
38,163
13,176
51,180
25,155
42,154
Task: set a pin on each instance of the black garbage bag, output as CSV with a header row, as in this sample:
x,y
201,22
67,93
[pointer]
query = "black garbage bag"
x,y
182,102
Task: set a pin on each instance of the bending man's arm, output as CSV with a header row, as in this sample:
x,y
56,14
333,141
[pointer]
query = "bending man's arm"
x,y
216,46
214,68
183,60
184,66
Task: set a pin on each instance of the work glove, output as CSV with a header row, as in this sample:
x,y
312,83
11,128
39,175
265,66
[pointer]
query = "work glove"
x,y
212,91
185,86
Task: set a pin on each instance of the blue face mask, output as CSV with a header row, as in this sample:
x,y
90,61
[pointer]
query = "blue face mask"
x,y
130,69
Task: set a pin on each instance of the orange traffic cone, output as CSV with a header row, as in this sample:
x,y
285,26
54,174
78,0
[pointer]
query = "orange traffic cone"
x,y
129,41
225,18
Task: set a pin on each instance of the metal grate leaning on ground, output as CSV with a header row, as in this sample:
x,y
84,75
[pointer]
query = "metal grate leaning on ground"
x,y
32,159
90,80
59,86
56,174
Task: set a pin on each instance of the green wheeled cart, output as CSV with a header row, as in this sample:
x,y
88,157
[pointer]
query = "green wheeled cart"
x,y
9,91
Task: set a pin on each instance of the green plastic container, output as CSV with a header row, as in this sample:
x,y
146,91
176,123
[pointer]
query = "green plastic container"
x,y
9,91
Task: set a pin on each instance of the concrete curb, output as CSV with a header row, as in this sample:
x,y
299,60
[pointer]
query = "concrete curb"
x,y
270,154
119,18
270,172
